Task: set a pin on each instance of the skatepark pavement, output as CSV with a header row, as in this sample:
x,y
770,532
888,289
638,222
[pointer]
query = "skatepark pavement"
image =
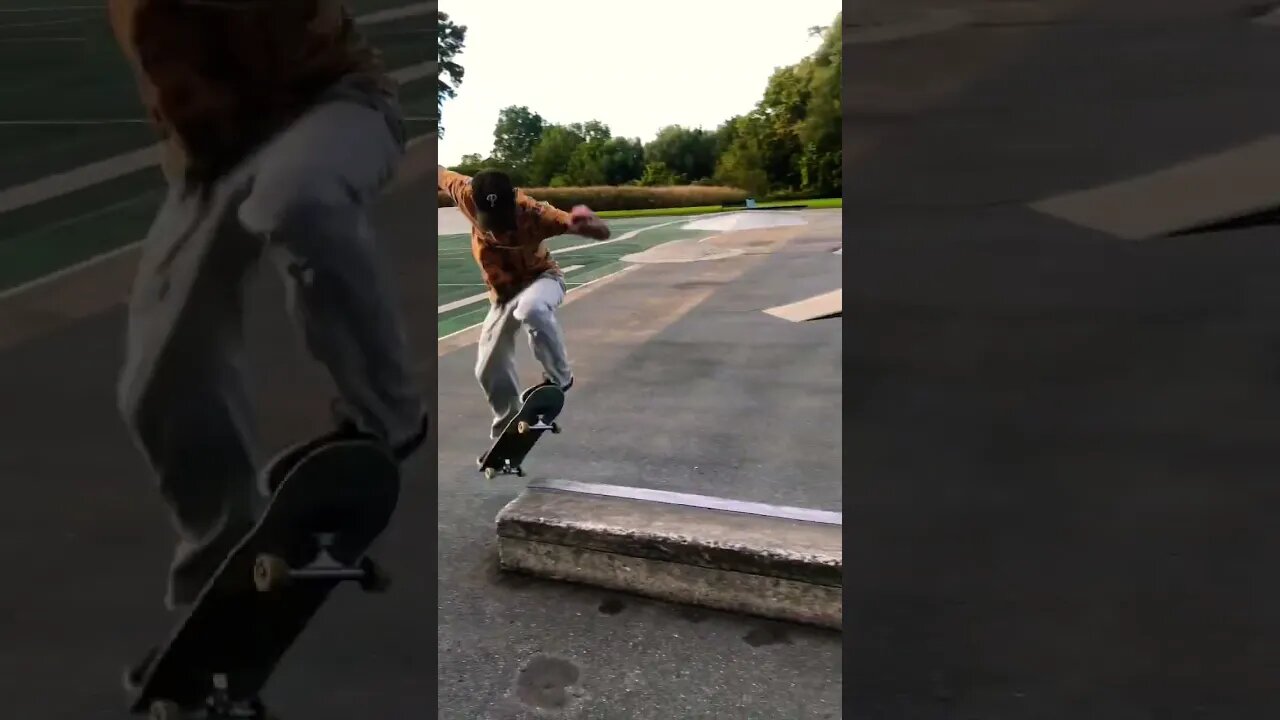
x,y
681,383
88,542
1063,499
668,360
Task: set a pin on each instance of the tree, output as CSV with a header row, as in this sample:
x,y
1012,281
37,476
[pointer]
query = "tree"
x,y
470,164
586,166
657,174
725,134
592,131
780,113
743,164
450,39
516,134
550,158
790,142
690,154
822,159
621,160
588,163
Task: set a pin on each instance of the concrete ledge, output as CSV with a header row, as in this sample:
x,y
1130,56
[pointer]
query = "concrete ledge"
x,y
753,558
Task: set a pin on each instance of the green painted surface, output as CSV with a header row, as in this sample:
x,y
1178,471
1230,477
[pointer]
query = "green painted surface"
x,y
459,277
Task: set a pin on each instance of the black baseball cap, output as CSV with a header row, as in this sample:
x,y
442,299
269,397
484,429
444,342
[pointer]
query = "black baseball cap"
x,y
495,199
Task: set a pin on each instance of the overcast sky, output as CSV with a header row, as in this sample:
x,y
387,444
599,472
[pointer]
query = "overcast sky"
x,y
683,62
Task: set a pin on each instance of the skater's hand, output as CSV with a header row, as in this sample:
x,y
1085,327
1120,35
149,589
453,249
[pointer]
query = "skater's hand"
x,y
585,222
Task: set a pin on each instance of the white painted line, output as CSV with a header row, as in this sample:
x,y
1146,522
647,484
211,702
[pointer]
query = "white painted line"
x,y
110,168
617,273
1201,191
40,23
102,121
399,13
924,23
462,303
1271,19
814,308
706,502
42,39
414,72
406,11
70,269
623,236
481,296
61,8
52,186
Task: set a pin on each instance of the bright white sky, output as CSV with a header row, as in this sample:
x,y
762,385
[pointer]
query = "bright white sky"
x,y
635,67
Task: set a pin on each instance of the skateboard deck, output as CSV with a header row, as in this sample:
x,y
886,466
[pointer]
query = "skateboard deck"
x,y
537,415
324,513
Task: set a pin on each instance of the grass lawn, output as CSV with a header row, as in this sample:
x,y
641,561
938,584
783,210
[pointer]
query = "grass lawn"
x,y
707,209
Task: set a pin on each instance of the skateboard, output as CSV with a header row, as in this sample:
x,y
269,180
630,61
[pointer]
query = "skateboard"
x,y
330,502
538,412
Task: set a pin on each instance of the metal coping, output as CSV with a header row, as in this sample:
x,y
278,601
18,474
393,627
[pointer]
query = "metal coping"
x,y
706,502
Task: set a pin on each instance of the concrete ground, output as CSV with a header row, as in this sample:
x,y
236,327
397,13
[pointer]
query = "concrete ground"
x,y
682,384
1063,448
87,541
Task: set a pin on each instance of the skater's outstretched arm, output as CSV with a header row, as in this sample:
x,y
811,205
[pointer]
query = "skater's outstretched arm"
x,y
456,185
586,223
553,221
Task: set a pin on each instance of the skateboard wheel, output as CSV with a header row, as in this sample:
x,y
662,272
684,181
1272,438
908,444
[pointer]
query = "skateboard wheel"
x,y
270,572
555,429
519,472
375,578
522,427
489,473
166,710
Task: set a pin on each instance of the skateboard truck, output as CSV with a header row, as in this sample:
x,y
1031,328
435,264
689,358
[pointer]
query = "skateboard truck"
x,y
218,705
539,407
506,469
272,572
523,426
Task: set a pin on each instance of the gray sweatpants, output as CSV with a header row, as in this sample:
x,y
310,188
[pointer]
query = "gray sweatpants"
x,y
534,307
300,200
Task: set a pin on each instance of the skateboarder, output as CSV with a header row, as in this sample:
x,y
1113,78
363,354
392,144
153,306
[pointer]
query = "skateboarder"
x,y
525,284
278,126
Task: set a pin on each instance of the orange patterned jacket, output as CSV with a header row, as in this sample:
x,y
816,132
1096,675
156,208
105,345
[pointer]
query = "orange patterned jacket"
x,y
273,59
509,264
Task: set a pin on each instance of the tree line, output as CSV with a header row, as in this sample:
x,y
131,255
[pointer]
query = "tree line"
x,y
787,146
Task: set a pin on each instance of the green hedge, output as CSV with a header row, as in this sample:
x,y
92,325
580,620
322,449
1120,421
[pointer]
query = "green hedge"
x,y
629,197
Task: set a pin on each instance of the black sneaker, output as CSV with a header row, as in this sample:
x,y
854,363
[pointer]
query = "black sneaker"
x,y
524,396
